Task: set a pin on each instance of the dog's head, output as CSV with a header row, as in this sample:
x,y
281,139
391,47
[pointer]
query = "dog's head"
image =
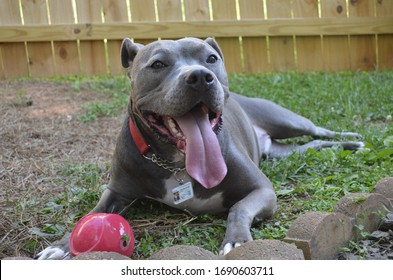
x,y
179,89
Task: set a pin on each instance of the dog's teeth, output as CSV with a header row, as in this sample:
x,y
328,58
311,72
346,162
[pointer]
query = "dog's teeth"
x,y
172,126
180,136
171,123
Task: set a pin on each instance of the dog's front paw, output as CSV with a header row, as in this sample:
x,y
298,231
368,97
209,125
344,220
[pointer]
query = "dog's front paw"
x,y
229,247
53,253
231,243
60,250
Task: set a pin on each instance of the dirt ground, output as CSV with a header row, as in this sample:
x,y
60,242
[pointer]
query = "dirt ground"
x,y
40,133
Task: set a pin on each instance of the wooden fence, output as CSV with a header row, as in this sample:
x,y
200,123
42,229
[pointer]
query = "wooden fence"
x,y
42,38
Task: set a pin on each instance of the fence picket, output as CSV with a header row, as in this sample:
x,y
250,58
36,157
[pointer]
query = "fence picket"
x,y
169,10
226,9
336,54
282,52
40,55
197,10
255,54
115,11
385,42
65,53
13,59
93,58
308,48
363,49
143,10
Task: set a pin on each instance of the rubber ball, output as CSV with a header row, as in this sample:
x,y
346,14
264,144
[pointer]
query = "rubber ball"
x,y
102,232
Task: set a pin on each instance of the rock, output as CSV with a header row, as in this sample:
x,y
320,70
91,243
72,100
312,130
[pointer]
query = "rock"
x,y
377,235
17,258
264,249
387,222
184,252
100,256
320,235
385,188
365,210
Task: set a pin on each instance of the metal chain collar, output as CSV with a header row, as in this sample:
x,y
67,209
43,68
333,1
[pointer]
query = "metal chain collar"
x,y
167,165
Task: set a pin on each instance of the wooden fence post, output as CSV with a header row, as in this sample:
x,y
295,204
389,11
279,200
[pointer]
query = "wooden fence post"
x,y
226,10
66,54
385,41
255,54
335,48
93,55
282,50
13,58
363,49
308,48
115,11
197,10
40,54
143,10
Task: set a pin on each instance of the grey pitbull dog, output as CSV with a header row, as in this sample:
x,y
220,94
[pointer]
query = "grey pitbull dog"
x,y
190,143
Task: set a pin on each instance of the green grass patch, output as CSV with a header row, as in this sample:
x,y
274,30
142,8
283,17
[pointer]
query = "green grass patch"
x,y
314,181
118,91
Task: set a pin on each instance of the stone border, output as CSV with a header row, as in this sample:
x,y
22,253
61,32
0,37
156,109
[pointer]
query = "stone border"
x,y
321,235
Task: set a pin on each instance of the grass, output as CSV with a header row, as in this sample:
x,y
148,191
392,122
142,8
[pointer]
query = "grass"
x,y
314,181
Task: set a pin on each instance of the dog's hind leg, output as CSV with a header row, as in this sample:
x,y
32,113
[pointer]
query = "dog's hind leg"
x,y
285,150
281,123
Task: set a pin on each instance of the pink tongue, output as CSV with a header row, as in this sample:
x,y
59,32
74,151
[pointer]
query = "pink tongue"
x,y
204,161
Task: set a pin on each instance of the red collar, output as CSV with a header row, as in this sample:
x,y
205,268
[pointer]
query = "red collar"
x,y
138,139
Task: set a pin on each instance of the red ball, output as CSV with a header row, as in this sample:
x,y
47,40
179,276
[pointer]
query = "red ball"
x,y
102,232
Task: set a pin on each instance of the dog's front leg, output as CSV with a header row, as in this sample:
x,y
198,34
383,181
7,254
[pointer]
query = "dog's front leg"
x,y
257,205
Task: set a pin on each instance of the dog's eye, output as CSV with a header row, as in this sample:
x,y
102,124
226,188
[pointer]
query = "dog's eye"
x,y
212,59
158,65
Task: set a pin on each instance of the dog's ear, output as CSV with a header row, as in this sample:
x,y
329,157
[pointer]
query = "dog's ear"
x,y
215,46
128,52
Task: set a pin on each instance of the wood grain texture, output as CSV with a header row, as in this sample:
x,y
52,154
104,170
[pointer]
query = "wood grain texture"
x,y
13,57
92,52
226,10
40,54
281,49
115,11
222,28
308,48
363,48
336,53
66,54
384,9
255,53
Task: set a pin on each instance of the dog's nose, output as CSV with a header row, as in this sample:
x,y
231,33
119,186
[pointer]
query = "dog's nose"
x,y
200,77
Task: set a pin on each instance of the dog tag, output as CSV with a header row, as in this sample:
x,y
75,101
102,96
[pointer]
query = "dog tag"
x,y
182,193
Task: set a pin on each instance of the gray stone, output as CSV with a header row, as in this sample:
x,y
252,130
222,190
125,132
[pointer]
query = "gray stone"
x,y
100,256
376,235
320,235
184,252
19,258
387,222
265,249
365,210
385,188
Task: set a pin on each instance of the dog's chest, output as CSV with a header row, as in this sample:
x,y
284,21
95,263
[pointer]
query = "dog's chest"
x,y
183,194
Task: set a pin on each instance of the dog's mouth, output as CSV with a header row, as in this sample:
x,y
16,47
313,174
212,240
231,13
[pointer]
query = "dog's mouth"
x,y
195,134
169,130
